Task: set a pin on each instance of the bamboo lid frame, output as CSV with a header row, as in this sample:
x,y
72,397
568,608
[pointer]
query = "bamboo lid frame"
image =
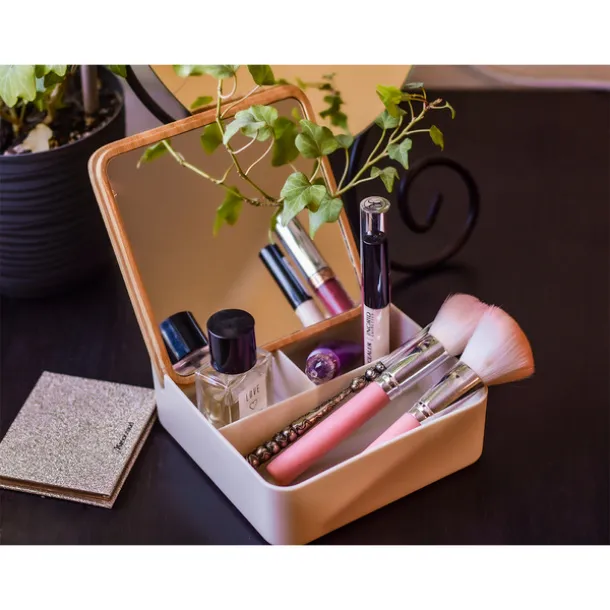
x,y
98,171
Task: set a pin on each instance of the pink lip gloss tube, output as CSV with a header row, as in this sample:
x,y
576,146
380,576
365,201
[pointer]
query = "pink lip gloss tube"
x,y
320,276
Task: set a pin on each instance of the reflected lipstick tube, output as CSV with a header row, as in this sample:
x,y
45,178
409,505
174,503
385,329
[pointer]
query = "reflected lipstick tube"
x,y
375,278
320,276
290,285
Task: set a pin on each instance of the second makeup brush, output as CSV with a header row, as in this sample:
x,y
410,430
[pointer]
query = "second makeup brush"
x,y
498,352
446,337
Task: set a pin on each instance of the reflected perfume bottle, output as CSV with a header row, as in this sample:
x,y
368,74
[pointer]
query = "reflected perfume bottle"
x,y
186,344
232,384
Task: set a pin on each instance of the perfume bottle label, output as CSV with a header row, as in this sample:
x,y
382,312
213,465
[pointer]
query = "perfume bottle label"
x,y
253,397
376,333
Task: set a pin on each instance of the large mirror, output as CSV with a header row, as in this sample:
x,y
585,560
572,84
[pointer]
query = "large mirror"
x,y
166,215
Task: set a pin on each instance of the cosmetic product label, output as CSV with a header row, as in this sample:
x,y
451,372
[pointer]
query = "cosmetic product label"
x,y
253,397
376,333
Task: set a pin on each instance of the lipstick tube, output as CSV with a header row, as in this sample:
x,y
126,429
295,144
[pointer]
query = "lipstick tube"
x,y
460,381
300,300
308,259
375,278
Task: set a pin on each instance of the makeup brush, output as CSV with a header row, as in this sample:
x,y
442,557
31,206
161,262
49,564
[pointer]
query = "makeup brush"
x,y
446,336
498,352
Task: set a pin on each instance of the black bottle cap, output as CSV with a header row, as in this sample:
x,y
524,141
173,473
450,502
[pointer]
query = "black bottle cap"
x,y
232,341
284,276
182,335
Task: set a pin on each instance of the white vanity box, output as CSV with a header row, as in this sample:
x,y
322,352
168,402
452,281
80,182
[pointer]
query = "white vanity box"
x,y
159,218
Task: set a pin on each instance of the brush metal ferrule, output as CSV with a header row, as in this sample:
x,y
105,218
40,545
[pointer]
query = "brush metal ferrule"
x,y
458,382
410,366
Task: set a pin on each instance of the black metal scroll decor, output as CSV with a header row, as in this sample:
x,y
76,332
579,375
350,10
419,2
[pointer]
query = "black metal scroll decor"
x,y
403,202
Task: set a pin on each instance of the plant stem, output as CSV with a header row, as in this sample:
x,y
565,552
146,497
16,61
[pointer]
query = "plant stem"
x,y
229,95
371,161
245,146
344,175
226,110
240,171
181,161
315,170
261,157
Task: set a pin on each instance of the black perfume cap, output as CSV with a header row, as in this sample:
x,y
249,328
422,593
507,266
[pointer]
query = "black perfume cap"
x,y
182,335
232,341
284,276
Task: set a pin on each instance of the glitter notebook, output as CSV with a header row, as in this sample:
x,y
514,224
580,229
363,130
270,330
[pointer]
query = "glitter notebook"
x,y
76,439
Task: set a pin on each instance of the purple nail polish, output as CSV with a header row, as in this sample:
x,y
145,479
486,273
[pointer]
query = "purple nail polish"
x,y
331,359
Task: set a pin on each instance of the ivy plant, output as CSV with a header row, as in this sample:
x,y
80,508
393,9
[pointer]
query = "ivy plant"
x,y
40,89
286,138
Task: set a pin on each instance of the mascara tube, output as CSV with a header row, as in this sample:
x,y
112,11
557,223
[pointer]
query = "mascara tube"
x,y
375,278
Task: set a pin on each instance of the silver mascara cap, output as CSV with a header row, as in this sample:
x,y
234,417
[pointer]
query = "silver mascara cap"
x,y
303,251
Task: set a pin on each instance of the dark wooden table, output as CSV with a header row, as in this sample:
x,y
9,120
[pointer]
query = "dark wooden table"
x,y
541,250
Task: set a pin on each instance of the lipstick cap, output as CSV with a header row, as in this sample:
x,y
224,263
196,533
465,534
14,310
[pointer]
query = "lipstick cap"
x,y
182,335
232,341
284,276
302,250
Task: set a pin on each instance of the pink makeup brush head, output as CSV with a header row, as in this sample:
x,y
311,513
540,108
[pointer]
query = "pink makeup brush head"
x,y
456,320
499,351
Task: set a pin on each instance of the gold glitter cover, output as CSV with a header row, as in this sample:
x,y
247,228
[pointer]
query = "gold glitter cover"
x,y
76,438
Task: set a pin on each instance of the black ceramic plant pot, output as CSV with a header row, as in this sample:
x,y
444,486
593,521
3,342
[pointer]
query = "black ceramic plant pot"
x,y
51,230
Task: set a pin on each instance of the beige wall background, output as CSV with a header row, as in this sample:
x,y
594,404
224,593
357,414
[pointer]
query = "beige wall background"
x,y
357,84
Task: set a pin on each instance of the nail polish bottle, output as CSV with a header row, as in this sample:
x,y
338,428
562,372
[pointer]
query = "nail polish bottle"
x,y
233,383
332,359
186,344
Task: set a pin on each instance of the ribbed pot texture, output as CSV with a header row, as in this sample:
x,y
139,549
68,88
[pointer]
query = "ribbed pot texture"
x,y
51,230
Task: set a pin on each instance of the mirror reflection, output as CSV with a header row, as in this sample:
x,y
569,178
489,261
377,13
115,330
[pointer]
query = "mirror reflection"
x,y
192,261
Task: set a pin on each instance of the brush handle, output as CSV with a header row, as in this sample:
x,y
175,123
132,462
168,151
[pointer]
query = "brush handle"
x,y
297,458
400,426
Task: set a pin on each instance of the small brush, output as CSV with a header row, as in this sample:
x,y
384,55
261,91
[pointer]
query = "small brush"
x,y
498,352
447,335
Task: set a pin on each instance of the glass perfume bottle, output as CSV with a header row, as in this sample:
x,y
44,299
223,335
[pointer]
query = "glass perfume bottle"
x,y
232,384
185,342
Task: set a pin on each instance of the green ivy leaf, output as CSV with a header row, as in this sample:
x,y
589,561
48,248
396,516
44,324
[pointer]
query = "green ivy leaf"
x,y
386,121
298,194
51,79
296,114
387,175
17,82
41,71
284,150
400,152
412,86
329,211
211,138
229,210
315,141
345,140
203,100
255,122
437,136
154,151
333,112
391,97
262,75
118,70
219,72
